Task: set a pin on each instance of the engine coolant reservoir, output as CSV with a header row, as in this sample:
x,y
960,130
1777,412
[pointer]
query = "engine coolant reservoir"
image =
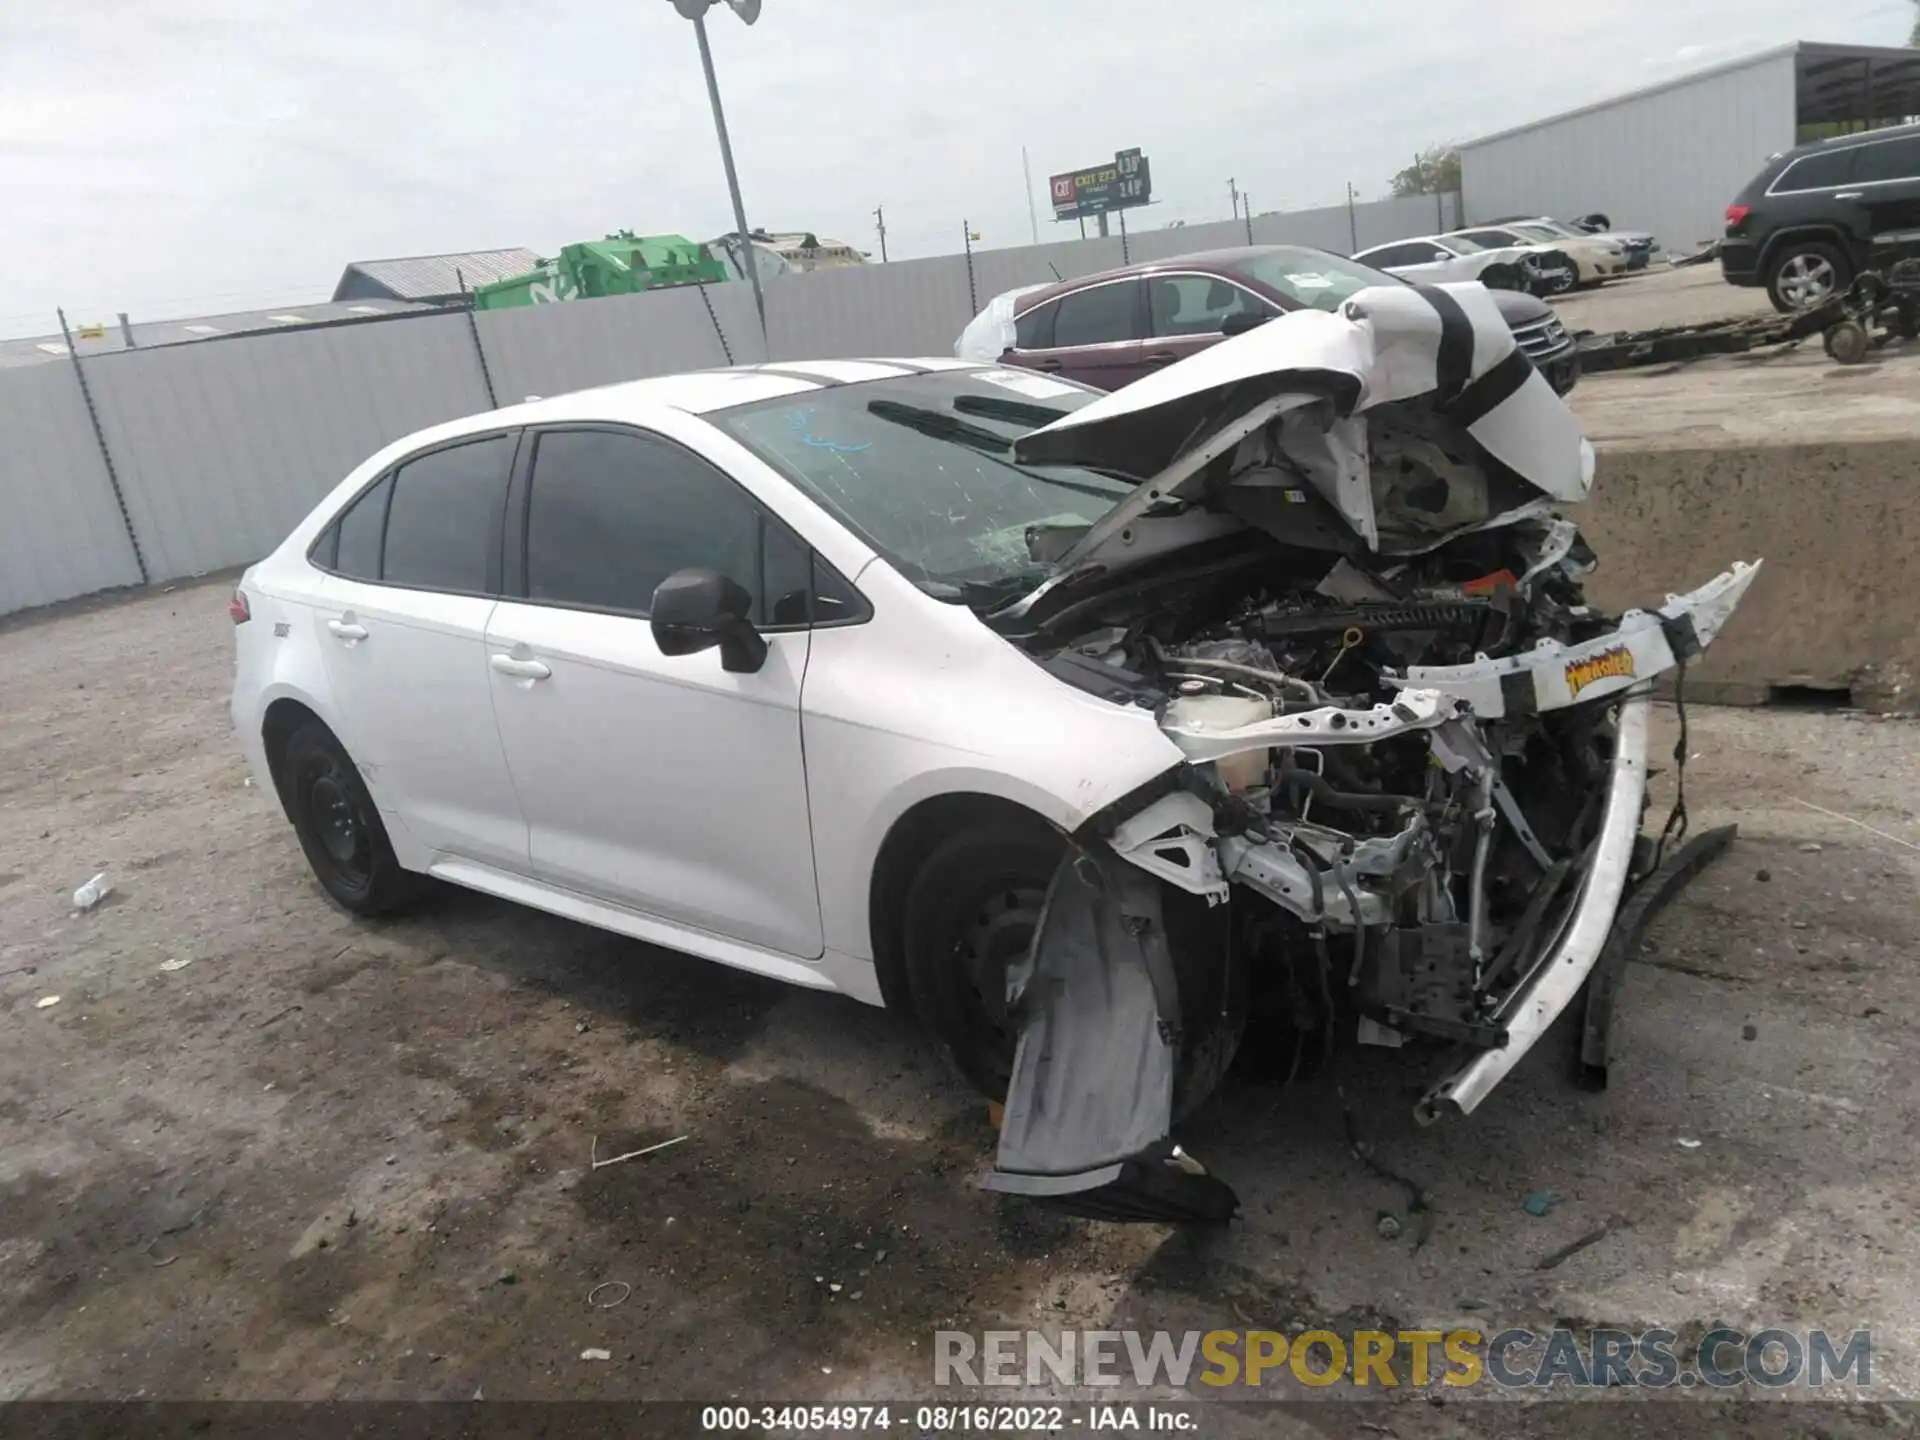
x,y
1216,713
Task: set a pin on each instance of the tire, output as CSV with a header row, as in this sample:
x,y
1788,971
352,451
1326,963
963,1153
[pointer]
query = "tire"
x,y
339,826
1554,274
1805,273
971,910
1502,277
1848,343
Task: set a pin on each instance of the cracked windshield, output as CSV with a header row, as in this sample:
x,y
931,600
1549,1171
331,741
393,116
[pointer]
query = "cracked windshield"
x,y
922,468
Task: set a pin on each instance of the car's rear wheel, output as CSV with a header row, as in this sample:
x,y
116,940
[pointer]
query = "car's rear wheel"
x,y
971,912
1806,273
339,826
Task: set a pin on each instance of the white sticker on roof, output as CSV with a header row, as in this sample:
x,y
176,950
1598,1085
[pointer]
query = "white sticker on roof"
x,y
1034,387
1311,281
201,329
289,319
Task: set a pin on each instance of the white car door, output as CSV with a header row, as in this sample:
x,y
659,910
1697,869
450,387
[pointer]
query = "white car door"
x,y
662,783
413,566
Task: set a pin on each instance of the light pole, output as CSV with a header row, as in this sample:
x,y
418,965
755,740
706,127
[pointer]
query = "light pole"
x,y
748,11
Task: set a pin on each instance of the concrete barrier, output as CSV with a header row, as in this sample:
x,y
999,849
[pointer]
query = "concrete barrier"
x,y
1837,607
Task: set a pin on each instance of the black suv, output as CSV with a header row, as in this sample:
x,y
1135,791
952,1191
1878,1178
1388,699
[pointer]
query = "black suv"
x,y
1808,222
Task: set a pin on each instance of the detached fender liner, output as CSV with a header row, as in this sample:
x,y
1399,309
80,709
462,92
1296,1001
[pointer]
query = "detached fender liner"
x,y
1090,1103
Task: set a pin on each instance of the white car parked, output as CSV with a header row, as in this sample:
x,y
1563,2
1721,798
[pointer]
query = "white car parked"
x,y
1566,264
1437,259
980,694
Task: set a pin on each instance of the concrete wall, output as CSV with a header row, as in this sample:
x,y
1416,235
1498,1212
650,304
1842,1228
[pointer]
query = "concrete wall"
x,y
1838,526
1667,160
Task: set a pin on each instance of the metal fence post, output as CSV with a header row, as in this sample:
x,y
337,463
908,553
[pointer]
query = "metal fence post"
x,y
1125,257
106,455
707,300
473,329
966,238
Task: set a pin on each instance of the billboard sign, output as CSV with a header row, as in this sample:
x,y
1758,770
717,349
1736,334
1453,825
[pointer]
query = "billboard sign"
x,y
1120,184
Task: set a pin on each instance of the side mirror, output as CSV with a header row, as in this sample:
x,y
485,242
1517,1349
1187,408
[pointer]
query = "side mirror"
x,y
695,610
1241,321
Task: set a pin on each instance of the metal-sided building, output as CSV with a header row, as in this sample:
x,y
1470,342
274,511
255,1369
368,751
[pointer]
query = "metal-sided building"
x,y
1669,158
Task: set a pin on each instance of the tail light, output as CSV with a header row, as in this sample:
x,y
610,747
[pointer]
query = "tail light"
x,y
238,609
1737,214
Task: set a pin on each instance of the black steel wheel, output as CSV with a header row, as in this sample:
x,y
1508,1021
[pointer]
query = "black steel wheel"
x,y
970,913
339,826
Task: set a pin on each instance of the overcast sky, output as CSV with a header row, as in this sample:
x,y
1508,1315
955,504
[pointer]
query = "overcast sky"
x,y
174,157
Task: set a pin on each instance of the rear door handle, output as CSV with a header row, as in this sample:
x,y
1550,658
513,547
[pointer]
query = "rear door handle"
x,y
347,630
518,669
1046,364
1851,195
1160,357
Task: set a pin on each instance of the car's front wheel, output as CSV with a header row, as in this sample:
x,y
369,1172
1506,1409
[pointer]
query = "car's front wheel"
x,y
1805,274
1553,274
339,826
971,912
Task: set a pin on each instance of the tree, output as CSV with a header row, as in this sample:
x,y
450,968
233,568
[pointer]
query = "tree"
x,y
1435,171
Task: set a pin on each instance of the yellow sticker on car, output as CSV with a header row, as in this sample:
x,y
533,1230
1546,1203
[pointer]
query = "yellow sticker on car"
x,y
1614,663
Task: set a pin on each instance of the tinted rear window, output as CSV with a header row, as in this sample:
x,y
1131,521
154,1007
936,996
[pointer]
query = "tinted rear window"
x,y
1819,171
360,530
442,520
1098,316
1887,160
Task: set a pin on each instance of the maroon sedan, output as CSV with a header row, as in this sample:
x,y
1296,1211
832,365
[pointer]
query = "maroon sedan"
x,y
1110,329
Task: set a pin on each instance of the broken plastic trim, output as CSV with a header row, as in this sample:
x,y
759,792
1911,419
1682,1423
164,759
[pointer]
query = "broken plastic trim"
x,y
1090,1101
1552,676
1532,1008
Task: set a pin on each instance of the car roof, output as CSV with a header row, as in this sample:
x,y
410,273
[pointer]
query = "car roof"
x,y
1858,137
1403,240
1212,262
696,392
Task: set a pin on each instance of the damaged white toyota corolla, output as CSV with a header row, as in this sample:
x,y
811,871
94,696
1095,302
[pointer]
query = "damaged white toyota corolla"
x,y
1062,720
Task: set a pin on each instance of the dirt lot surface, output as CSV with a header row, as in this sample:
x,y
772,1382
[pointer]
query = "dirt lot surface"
x,y
1661,296
323,1158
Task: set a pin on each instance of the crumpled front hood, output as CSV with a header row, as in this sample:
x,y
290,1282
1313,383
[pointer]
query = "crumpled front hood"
x,y
1386,344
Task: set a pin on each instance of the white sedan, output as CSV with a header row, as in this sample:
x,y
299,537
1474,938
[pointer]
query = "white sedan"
x,y
1435,259
978,694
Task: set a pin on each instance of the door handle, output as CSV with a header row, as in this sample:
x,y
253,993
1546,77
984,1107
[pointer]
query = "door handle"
x,y
1160,357
1852,195
1046,364
518,669
347,630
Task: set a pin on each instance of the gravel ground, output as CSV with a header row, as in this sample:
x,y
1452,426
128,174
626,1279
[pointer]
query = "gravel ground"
x,y
1661,296
326,1158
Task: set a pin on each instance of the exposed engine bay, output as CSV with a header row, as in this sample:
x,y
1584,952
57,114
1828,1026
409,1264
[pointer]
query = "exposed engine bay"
x,y
1415,754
